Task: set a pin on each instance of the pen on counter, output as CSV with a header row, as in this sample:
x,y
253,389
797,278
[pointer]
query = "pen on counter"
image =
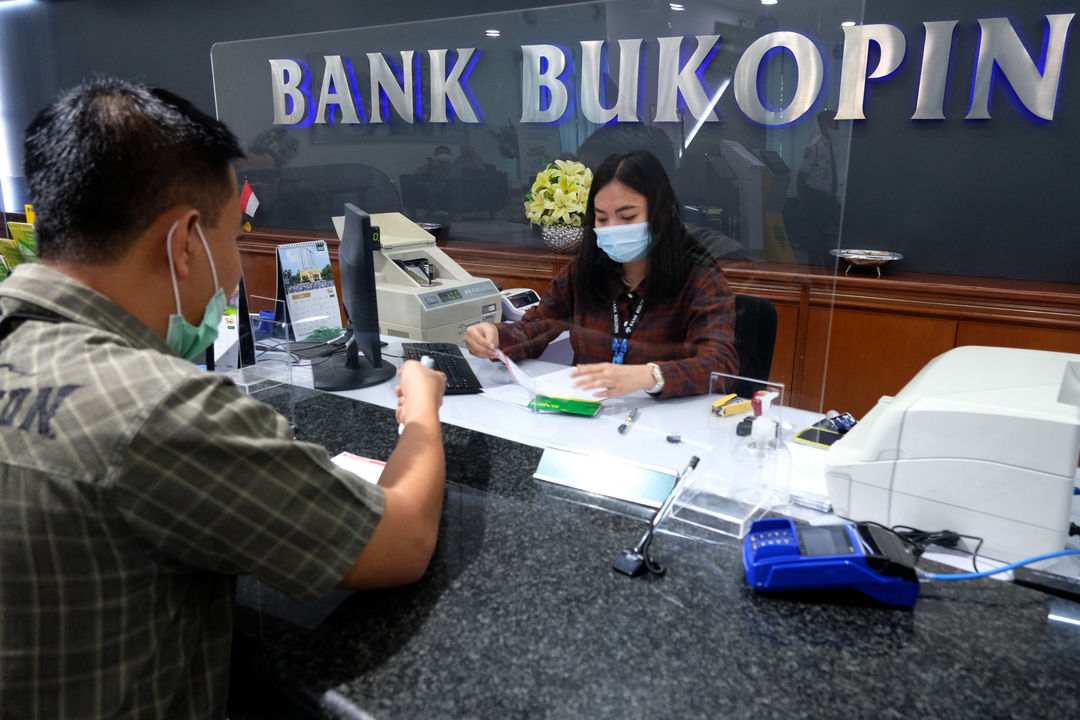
x,y
427,362
629,419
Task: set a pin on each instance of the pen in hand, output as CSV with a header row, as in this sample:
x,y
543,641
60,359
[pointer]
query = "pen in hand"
x,y
629,419
427,362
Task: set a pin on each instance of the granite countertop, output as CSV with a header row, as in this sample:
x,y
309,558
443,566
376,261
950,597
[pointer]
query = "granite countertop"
x,y
520,615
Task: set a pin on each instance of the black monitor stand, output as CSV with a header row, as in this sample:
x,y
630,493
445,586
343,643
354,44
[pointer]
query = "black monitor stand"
x,y
349,370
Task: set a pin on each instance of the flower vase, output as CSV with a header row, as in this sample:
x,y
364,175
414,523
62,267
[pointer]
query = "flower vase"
x,y
562,238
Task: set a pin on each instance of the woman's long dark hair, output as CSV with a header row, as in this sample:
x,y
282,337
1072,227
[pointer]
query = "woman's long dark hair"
x,y
671,257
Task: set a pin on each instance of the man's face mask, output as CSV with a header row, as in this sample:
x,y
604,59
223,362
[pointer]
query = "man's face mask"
x,y
185,339
624,243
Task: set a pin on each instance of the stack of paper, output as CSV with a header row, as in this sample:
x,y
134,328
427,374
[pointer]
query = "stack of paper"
x,y
553,392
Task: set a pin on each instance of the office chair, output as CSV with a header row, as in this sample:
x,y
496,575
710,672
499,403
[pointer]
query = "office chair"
x,y
755,337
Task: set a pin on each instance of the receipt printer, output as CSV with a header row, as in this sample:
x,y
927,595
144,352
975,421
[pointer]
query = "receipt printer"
x,y
516,301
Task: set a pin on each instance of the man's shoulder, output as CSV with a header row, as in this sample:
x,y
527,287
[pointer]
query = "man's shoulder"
x,y
77,350
108,373
82,394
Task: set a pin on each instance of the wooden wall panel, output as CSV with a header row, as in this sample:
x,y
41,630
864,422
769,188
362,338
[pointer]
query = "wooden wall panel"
x,y
1019,336
259,266
508,267
784,352
882,332
870,354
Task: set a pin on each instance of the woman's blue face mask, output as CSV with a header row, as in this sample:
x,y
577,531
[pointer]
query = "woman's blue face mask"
x,y
624,243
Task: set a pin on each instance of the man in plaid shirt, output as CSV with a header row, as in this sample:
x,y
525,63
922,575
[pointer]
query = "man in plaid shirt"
x,y
134,486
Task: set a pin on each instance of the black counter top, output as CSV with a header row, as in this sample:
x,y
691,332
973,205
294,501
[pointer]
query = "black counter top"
x,y
521,616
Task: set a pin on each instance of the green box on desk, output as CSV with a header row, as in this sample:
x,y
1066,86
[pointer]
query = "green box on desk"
x,y
565,405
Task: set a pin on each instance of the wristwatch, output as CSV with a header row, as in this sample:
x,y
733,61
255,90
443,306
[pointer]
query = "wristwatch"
x,y
658,377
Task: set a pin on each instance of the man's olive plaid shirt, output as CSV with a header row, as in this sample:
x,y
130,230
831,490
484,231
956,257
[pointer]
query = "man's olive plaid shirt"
x,y
134,487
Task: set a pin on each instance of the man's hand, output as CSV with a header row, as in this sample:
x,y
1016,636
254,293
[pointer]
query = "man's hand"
x,y
420,392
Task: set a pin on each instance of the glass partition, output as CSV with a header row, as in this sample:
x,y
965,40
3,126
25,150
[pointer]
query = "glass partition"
x,y
894,176
450,121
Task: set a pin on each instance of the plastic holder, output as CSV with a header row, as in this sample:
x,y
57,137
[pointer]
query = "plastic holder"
x,y
270,378
742,477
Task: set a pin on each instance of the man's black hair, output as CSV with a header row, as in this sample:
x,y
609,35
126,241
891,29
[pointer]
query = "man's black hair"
x,y
674,252
109,157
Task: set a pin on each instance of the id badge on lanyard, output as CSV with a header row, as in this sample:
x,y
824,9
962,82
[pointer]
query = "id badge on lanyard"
x,y
621,331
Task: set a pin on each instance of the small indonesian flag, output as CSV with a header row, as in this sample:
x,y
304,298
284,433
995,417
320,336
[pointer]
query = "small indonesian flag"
x,y
248,202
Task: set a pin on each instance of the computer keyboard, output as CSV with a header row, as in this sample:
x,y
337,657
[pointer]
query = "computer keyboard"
x,y
460,379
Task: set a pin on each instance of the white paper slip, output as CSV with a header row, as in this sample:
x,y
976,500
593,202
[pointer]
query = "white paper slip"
x,y
365,468
520,376
511,393
559,384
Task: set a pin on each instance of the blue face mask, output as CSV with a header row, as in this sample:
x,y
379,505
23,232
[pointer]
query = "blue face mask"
x,y
185,339
624,243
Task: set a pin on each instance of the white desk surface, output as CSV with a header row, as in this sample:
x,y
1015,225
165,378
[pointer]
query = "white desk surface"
x,y
646,441
708,437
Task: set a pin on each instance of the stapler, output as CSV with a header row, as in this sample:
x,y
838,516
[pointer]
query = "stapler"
x,y
730,404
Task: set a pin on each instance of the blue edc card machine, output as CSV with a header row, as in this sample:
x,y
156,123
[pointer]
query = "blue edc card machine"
x,y
780,555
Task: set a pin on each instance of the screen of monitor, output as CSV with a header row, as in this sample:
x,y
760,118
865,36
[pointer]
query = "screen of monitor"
x,y
359,363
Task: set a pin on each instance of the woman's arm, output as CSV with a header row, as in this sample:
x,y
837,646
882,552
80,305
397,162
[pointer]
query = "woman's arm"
x,y
709,327
528,337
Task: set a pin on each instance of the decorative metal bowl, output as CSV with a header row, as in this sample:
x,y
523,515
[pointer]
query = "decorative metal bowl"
x,y
865,258
562,238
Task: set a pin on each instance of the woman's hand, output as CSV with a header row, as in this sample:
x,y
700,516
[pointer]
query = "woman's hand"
x,y
613,380
482,340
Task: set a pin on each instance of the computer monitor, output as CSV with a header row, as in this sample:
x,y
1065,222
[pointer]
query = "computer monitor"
x,y
359,363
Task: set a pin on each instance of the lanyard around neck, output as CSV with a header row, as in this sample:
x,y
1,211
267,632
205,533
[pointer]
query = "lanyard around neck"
x,y
621,330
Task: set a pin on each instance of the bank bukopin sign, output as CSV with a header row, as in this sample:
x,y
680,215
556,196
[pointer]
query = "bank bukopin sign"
x,y
546,82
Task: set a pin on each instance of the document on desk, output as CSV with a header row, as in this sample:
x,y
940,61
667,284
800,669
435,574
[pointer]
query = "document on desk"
x,y
559,384
543,392
366,468
521,377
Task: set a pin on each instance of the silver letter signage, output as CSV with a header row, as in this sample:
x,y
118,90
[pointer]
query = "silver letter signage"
x,y
810,70
448,88
671,81
935,68
853,75
681,91
289,86
339,75
541,66
625,107
999,44
385,88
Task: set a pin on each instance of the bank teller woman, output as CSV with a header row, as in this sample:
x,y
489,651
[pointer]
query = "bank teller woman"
x,y
646,307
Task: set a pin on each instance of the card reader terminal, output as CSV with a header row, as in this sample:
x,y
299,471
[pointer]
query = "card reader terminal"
x,y
780,555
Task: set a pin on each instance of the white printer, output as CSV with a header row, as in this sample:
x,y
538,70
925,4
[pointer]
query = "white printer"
x,y
983,441
423,294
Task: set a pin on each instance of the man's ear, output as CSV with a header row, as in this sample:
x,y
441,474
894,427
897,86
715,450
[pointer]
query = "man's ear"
x,y
181,246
